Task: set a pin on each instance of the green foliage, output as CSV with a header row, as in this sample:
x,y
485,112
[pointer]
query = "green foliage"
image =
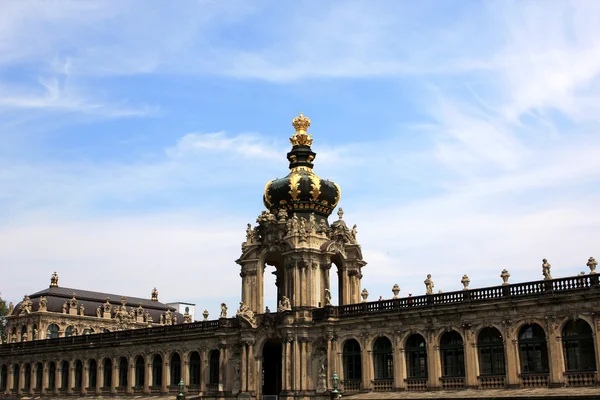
x,y
3,314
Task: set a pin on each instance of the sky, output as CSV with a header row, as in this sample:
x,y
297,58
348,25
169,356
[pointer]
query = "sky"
x,y
136,138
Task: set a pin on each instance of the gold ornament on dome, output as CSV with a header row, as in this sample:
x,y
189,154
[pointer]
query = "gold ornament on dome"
x,y
294,186
316,186
267,195
301,138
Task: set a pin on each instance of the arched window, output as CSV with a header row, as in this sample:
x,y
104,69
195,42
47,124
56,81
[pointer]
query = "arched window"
x,y
491,352
78,374
352,365
175,369
92,371
51,376
194,369
69,331
383,360
3,378
157,370
452,354
578,346
16,374
52,332
27,385
34,332
107,370
416,356
39,370
139,372
213,367
123,367
533,350
64,375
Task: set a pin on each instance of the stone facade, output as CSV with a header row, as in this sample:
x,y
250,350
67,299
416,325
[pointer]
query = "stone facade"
x,y
539,334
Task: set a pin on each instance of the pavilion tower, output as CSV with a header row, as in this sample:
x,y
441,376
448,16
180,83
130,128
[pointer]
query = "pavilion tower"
x,y
294,236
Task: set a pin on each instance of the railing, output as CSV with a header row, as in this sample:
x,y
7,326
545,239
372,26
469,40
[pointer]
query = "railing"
x,y
416,384
173,388
561,285
155,389
105,390
491,381
534,380
383,385
212,387
193,388
581,378
453,383
350,385
118,336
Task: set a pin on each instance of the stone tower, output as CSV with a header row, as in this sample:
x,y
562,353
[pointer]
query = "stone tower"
x,y
294,236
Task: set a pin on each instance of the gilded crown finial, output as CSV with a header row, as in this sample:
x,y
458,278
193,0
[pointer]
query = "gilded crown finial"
x,y
301,138
54,280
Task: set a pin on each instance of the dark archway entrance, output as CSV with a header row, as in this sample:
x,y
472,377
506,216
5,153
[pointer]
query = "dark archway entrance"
x,y
271,371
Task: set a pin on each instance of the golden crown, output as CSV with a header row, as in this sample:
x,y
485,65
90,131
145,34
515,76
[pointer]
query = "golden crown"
x,y
301,138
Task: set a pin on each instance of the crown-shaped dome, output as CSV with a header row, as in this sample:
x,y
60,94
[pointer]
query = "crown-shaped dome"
x,y
301,191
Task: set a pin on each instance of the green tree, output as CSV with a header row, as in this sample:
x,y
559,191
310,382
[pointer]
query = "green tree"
x,y
3,314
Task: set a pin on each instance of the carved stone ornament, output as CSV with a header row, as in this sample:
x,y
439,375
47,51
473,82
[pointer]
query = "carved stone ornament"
x,y
205,315
546,270
364,294
505,275
246,314
284,304
465,281
223,311
395,290
327,297
429,285
592,263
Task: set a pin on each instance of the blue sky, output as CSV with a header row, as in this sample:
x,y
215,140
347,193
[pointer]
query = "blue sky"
x,y
136,138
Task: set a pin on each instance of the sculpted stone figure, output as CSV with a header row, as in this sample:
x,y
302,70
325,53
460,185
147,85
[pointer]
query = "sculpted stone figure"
x,y
64,308
246,313
592,263
283,214
295,224
43,304
353,233
284,304
223,311
428,285
26,305
81,309
546,270
249,234
11,308
312,224
162,319
107,306
323,227
465,281
327,297
98,312
168,317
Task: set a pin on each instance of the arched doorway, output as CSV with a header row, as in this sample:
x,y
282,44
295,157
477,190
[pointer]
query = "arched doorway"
x,y
52,332
64,376
51,376
194,370
157,371
578,346
175,369
533,350
78,374
27,385
3,378
271,368
491,352
139,372
352,365
92,377
416,357
39,370
107,369
123,367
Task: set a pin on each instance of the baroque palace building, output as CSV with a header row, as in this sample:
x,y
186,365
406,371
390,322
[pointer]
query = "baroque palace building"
x,y
540,334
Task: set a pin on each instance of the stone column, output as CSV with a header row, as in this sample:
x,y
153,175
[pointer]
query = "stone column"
x,y
147,373
433,364
471,362
595,326
115,375
243,369
57,375
85,375
399,367
131,377
166,376
32,380
330,360
287,365
222,366
365,364
11,379
251,367
71,380
99,376
555,356
45,378
203,370
185,372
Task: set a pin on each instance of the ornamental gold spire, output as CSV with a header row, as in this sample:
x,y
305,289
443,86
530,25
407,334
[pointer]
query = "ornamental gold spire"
x,y
54,280
301,138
